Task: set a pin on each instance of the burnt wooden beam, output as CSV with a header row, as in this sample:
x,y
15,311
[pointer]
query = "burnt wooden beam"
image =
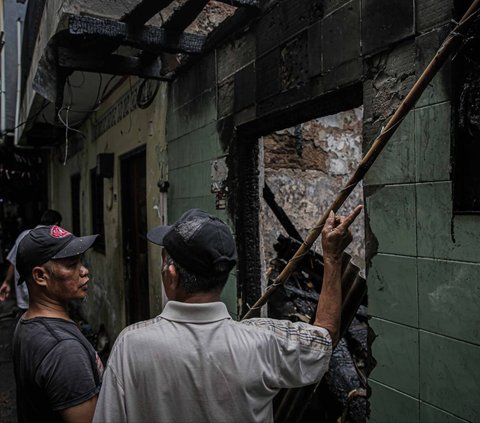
x,y
149,38
113,64
144,11
225,30
280,214
242,3
180,19
184,15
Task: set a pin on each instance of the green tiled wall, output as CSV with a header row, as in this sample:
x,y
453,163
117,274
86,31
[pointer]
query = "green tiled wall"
x,y
193,115
190,181
450,375
427,45
432,140
424,276
431,414
388,405
449,294
194,147
396,352
193,143
396,163
391,212
392,289
441,235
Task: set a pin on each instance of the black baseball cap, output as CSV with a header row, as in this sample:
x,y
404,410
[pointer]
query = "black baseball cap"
x,y
46,243
199,242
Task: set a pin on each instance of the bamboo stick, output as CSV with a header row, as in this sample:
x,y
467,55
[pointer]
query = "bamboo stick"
x,y
450,43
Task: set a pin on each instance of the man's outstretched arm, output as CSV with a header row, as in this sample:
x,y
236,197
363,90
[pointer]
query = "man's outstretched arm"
x,y
336,236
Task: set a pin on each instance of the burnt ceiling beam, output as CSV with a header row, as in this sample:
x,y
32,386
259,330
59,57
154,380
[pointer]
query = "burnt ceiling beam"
x,y
144,11
178,21
113,64
184,15
148,38
226,30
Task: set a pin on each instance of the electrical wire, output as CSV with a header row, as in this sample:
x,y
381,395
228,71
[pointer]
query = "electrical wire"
x,y
97,103
43,107
66,124
130,114
66,139
106,87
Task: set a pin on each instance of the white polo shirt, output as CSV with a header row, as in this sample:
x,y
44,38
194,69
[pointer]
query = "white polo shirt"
x,y
193,363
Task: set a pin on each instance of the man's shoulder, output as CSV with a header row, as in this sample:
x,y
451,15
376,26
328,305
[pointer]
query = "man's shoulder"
x,y
141,333
41,337
22,235
139,329
12,255
47,329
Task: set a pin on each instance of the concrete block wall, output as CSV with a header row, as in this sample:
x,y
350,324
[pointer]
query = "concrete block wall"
x,y
424,279
193,148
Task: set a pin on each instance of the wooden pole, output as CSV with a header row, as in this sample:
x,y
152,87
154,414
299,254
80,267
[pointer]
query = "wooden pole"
x,y
450,43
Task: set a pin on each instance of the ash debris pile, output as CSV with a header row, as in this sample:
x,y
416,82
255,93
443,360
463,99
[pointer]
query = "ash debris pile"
x,y
342,394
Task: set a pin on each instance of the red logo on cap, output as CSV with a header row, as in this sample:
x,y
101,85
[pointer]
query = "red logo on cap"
x,y
58,232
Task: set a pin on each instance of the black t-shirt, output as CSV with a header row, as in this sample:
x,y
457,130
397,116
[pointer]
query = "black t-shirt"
x,y
55,368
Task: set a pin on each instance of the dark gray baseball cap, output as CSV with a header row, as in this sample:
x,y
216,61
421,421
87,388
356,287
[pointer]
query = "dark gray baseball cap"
x,y
199,242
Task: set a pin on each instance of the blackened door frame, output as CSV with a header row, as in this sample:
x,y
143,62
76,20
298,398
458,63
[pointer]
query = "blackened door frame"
x,y
244,203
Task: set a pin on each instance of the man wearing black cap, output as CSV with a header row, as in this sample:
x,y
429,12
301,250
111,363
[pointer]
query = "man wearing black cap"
x,y
57,371
49,217
193,363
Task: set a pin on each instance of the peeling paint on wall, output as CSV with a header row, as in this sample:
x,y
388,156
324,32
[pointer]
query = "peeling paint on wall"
x,y
305,184
219,186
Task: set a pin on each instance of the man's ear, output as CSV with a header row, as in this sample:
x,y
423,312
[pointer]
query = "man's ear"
x,y
172,270
170,282
40,275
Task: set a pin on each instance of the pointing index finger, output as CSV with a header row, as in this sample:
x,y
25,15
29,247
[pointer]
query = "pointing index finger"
x,y
351,217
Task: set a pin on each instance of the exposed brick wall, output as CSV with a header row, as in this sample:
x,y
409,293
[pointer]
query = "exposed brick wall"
x,y
306,166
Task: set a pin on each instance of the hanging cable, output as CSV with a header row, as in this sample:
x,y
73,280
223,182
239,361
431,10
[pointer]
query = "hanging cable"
x,y
66,138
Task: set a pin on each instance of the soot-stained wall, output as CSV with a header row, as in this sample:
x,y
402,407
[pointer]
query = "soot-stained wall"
x,y
301,60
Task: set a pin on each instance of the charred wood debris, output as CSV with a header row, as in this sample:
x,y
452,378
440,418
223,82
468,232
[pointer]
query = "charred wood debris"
x,y
342,394
89,43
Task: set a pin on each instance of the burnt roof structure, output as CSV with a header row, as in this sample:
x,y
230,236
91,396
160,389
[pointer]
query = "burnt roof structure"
x,y
91,44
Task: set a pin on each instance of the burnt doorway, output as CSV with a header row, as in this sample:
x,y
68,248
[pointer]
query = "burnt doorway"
x,y
302,169
134,225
